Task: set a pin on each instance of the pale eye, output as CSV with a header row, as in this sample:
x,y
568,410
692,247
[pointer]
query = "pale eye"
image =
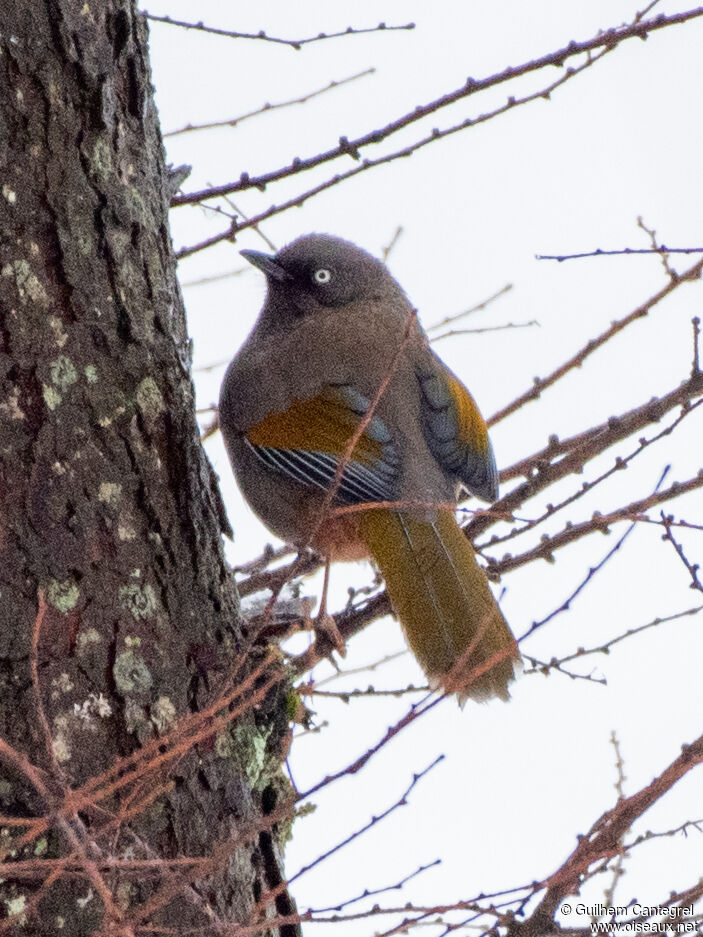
x,y
322,276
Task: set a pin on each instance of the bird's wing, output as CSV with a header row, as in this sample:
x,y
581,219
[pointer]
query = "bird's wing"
x,y
308,440
455,431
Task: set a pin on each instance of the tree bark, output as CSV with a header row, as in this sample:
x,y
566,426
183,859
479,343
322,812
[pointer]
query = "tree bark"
x,y
118,615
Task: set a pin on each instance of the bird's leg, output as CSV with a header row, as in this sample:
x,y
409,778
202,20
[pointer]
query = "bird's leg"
x,y
324,624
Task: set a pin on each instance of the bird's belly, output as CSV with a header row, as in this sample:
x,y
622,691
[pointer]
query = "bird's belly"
x,y
295,513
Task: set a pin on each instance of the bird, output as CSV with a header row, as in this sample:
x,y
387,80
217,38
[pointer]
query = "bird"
x,y
348,434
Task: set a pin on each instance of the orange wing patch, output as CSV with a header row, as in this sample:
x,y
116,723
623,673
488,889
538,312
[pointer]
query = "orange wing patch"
x,y
471,427
320,424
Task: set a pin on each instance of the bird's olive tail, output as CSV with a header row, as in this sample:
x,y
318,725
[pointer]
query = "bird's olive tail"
x,y
442,598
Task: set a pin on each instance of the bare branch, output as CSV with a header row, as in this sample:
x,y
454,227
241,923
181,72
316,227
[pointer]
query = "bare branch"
x,y
693,273
386,252
598,523
556,664
599,252
269,108
298,200
296,44
604,42
377,818
478,307
574,464
691,567
489,328
592,571
603,842
373,892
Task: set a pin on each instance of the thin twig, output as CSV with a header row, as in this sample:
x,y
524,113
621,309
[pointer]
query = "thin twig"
x,y
269,108
296,44
619,252
540,384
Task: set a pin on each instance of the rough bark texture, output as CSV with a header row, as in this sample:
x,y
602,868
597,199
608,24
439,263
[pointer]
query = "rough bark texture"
x,y
115,599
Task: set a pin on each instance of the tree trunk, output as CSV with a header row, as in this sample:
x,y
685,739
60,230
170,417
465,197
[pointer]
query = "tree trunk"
x,y
119,627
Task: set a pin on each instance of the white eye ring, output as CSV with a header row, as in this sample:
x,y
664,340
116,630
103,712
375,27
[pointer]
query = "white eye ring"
x,y
322,276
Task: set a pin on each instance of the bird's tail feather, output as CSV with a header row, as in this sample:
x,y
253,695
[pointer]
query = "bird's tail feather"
x,y
442,598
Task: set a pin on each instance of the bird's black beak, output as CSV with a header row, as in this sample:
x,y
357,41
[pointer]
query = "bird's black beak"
x,y
267,264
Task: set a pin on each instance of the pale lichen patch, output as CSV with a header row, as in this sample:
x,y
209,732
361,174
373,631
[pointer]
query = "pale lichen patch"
x,y
9,194
140,600
109,492
224,746
102,158
135,719
28,284
131,674
84,902
56,326
62,595
63,373
61,684
87,637
6,841
248,747
62,750
16,907
91,373
85,247
150,399
101,705
255,768
163,714
52,398
126,533
11,405
95,705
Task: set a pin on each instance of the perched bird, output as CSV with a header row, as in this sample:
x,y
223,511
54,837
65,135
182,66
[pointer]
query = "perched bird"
x,y
337,346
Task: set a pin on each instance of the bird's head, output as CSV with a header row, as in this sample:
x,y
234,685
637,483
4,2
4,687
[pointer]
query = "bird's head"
x,y
318,272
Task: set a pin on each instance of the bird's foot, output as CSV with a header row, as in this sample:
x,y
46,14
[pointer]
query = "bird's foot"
x,y
325,627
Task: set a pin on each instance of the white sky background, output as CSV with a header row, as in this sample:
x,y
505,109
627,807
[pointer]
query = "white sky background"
x,y
520,781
